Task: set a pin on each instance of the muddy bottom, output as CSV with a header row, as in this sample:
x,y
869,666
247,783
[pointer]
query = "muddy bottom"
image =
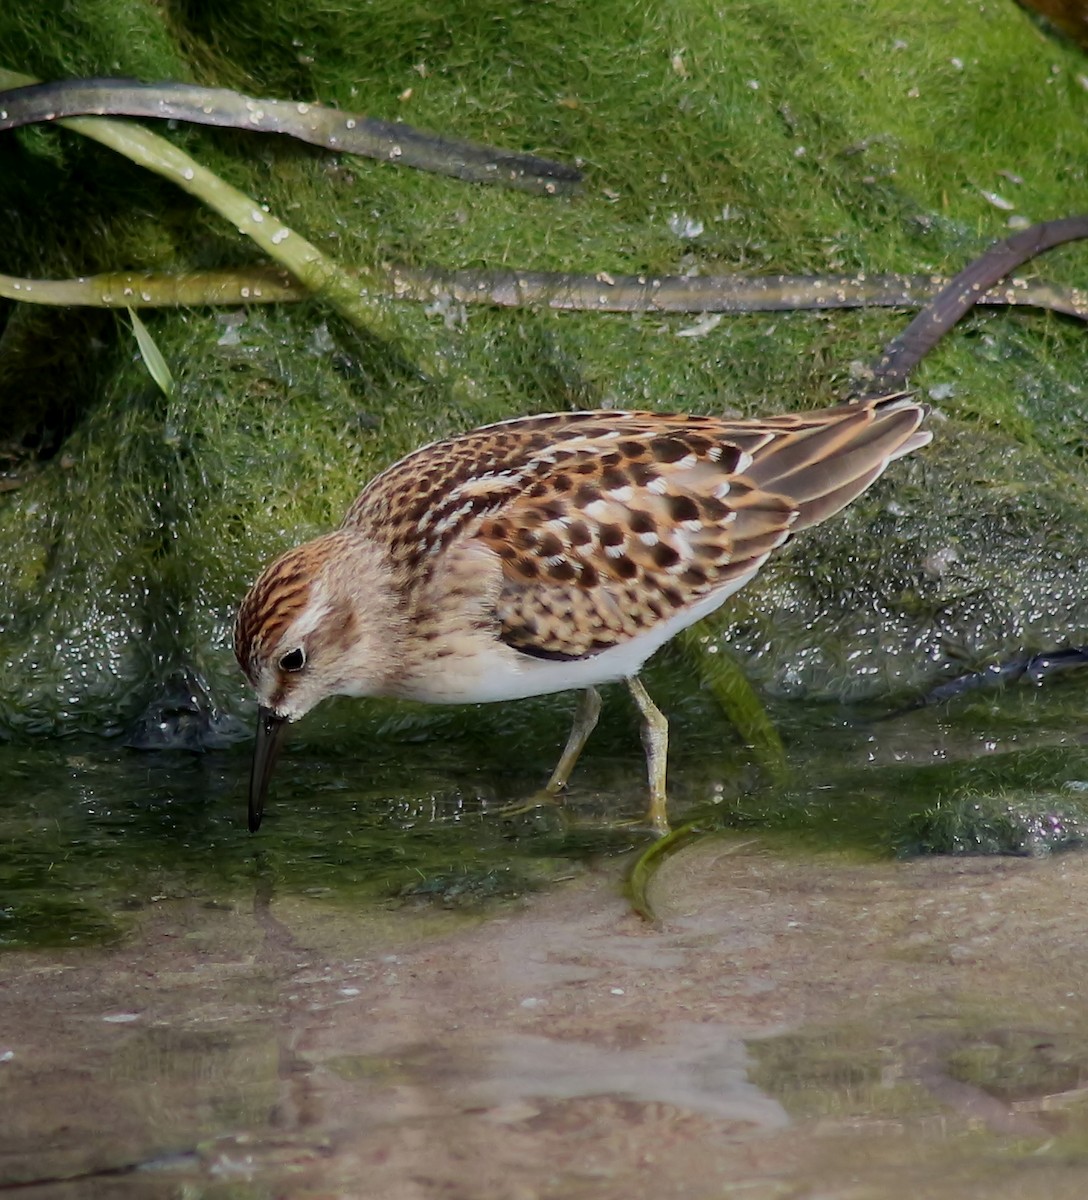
x,y
793,1025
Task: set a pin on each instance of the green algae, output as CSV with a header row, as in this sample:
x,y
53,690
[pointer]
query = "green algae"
x,y
879,191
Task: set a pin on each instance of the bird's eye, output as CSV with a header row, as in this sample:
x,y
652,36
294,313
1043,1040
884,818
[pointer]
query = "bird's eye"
x,y
293,660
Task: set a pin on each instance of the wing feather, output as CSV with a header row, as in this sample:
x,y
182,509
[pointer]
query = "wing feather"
x,y
607,523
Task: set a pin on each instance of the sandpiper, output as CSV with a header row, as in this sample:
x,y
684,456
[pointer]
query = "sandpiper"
x,y
548,553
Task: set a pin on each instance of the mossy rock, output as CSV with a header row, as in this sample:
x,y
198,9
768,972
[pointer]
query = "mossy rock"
x,y
800,140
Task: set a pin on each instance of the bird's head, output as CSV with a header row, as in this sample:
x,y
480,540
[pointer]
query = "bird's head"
x,y
317,623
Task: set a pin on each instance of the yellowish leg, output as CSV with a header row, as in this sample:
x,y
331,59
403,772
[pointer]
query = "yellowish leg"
x,y
655,739
585,721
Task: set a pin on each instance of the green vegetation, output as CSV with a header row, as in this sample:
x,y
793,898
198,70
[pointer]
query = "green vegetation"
x,y
799,141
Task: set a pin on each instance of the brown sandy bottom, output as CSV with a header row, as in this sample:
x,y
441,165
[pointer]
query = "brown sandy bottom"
x,y
793,1026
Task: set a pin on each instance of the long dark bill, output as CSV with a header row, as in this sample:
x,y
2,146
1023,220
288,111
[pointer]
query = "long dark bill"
x,y
270,733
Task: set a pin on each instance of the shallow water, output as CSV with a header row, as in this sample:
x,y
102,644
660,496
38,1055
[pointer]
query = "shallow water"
x,y
401,988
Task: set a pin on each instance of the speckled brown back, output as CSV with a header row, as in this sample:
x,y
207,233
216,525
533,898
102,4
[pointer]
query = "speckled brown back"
x,y
608,522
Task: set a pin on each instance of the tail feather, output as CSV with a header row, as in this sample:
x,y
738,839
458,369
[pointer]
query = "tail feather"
x,y
822,468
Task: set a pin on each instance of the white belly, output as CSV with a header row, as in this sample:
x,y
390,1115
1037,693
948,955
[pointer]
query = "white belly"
x,y
501,673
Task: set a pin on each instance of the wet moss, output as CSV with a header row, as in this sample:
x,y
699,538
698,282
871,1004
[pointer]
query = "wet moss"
x,y
800,141
972,823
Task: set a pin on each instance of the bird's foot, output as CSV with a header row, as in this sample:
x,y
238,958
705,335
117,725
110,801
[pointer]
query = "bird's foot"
x,y
544,800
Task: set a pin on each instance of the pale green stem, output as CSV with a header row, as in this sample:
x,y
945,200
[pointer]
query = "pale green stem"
x,y
358,298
